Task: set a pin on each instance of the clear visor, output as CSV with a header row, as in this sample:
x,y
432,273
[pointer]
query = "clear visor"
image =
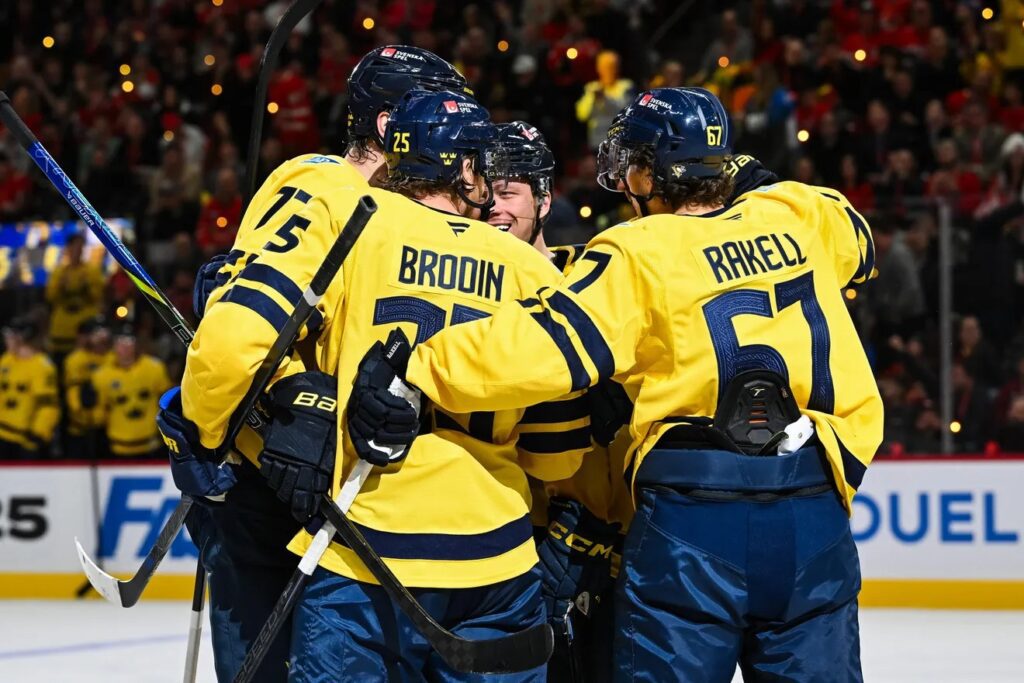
x,y
495,164
612,162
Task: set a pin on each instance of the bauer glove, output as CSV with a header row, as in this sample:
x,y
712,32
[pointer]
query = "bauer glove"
x,y
196,470
384,411
300,443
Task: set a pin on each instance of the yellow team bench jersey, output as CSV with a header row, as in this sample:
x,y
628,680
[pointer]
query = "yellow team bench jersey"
x,y
74,294
29,410
454,513
79,367
673,307
127,404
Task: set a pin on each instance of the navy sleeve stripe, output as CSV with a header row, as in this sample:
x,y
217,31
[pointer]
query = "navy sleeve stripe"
x,y
552,443
830,196
529,303
273,278
259,303
599,258
551,412
867,263
481,426
853,469
594,344
580,378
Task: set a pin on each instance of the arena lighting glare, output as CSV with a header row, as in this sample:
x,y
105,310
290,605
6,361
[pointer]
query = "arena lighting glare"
x,y
48,42
860,55
272,107
125,69
572,53
222,222
803,135
209,60
502,46
168,135
955,427
121,312
851,294
216,89
585,212
987,13
127,86
369,23
723,61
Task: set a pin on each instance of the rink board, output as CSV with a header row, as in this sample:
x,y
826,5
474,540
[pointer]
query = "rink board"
x,y
931,532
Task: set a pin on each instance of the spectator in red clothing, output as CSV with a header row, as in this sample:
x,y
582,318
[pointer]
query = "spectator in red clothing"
x,y
1007,185
938,73
900,183
853,187
294,122
220,216
952,180
1011,114
14,190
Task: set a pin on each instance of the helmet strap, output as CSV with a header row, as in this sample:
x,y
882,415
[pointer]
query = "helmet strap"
x,y
485,207
641,200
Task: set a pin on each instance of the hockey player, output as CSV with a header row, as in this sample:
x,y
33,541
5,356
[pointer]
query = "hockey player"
x,y
28,394
573,519
92,352
124,394
470,558
243,541
756,411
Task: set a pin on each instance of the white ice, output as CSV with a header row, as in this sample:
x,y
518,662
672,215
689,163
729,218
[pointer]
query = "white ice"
x,y
93,641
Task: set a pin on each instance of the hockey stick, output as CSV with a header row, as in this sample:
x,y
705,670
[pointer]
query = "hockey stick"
x,y
297,583
195,626
519,651
163,306
295,13
127,593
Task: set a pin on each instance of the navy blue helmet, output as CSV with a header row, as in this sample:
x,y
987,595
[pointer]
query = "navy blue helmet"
x,y
385,74
529,157
685,129
430,133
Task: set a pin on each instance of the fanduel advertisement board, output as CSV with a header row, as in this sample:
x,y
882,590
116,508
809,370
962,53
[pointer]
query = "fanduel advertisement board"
x,y
930,533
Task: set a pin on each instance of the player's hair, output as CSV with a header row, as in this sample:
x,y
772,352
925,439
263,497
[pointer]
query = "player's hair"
x,y
417,188
361,148
686,192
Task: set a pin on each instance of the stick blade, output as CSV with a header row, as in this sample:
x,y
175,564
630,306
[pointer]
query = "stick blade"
x,y
514,653
105,584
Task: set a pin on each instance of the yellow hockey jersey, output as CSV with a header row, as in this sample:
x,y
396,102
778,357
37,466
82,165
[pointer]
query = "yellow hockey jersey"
x,y
127,404
29,411
454,513
673,307
79,367
74,294
265,224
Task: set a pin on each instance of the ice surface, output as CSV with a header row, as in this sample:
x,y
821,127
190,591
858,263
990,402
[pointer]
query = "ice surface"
x,y
94,641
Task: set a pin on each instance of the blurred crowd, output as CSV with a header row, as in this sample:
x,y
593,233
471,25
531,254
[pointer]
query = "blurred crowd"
x,y
903,105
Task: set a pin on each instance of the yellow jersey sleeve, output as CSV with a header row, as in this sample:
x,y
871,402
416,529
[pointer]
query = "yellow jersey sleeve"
x,y
588,328
850,237
297,226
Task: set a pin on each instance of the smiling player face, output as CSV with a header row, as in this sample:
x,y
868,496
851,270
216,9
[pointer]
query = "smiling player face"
x,y
513,210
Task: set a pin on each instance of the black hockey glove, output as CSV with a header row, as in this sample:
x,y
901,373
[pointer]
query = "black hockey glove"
x,y
300,443
87,394
206,282
383,411
575,560
610,409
